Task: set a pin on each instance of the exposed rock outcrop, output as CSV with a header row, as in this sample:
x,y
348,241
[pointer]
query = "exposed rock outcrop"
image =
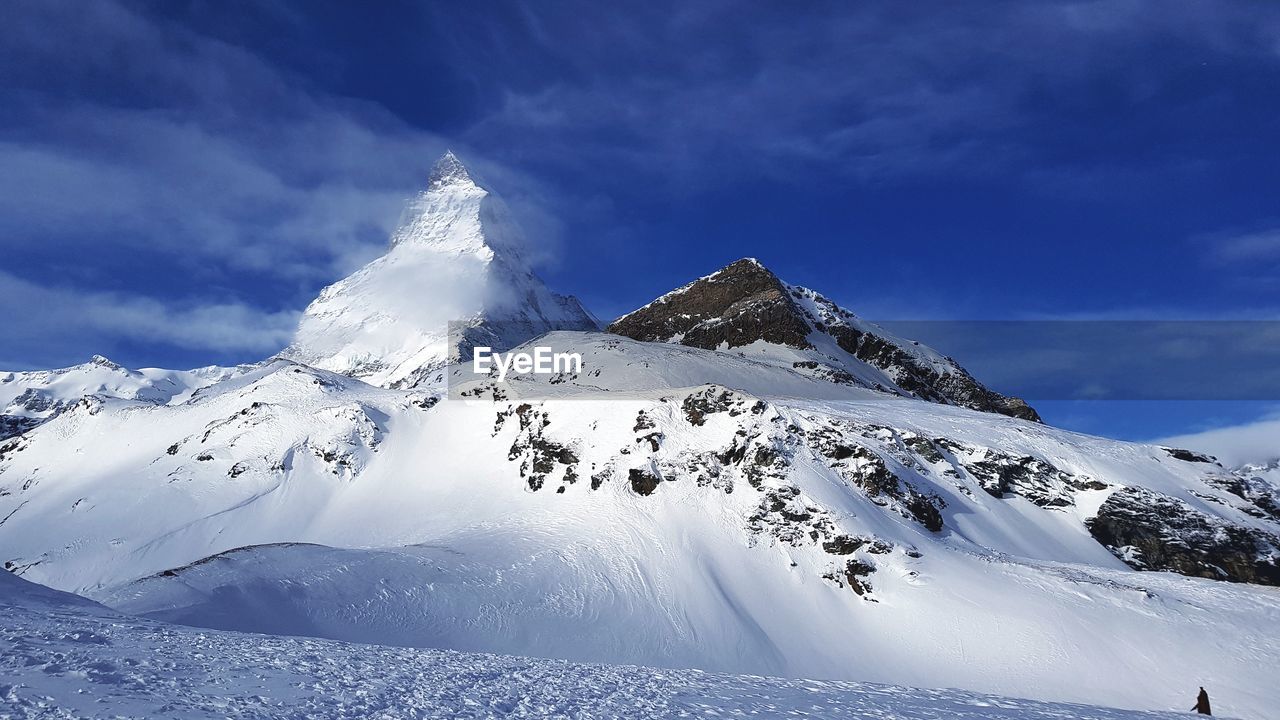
x,y
745,304
1150,531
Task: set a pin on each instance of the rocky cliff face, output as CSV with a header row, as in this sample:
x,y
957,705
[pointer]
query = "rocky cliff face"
x,y
744,304
741,304
1151,531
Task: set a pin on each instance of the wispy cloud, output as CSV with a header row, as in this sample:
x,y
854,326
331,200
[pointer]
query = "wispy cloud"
x,y
876,90
1108,359
58,319
1249,248
1248,260
1255,442
221,157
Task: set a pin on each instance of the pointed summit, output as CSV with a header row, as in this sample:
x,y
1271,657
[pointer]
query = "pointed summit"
x,y
448,170
745,304
456,257
447,215
739,304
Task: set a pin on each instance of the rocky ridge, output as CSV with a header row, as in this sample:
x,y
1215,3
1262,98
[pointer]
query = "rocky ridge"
x,y
744,304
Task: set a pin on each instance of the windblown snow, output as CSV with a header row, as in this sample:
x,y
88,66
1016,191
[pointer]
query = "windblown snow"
x,y
457,257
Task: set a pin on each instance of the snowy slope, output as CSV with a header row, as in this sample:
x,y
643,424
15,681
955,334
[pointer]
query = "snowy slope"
x,y
636,513
63,657
949,618
30,398
456,258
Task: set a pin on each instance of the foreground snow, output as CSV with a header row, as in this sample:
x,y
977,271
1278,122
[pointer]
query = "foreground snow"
x,y
62,656
1045,630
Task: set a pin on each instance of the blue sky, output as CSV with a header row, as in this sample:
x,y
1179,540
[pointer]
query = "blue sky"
x,y
180,178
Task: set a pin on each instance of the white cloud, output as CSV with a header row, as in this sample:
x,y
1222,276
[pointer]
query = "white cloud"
x,y
60,317
1256,247
174,186
1255,442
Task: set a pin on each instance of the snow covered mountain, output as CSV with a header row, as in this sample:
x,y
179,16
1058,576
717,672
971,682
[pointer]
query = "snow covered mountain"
x,y
746,306
742,477
458,257
28,399
720,513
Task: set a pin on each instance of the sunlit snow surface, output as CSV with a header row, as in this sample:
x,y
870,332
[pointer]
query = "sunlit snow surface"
x,y
38,395
436,539
64,657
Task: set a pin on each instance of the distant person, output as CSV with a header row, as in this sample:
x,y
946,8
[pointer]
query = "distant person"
x,y
1202,703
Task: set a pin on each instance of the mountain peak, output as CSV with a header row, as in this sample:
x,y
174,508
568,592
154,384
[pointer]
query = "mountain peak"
x,y
447,217
101,361
749,261
744,303
449,170
734,306
745,266
455,257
